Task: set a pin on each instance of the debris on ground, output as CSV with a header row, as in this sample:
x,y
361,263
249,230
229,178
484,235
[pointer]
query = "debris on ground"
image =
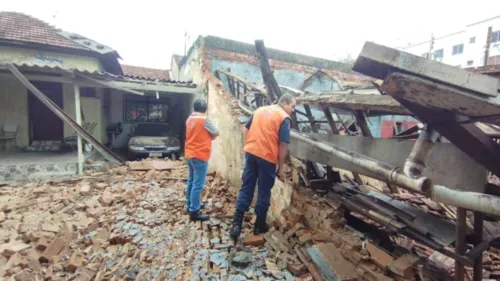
x,y
130,223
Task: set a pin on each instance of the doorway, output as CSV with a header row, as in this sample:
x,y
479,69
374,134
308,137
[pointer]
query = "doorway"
x,y
44,124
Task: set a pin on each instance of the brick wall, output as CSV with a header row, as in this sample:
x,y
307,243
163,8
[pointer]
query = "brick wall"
x,y
280,65
227,150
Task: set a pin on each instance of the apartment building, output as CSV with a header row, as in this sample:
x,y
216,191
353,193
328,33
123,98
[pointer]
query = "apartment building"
x,y
466,47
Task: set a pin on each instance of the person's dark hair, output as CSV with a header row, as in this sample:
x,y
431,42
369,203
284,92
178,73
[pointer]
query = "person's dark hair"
x,y
200,106
286,98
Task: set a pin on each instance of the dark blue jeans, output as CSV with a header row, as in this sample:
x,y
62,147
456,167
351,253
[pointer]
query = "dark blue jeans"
x,y
196,181
257,170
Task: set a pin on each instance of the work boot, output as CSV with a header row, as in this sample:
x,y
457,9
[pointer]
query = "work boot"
x,y
198,216
202,206
260,225
237,223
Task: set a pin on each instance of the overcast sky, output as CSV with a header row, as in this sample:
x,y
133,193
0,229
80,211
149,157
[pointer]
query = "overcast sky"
x,y
147,32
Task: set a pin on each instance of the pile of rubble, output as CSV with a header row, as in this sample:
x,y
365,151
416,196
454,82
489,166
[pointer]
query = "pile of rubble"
x,y
130,223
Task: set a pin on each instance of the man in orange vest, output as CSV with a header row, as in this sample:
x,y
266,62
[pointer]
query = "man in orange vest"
x,y
200,132
266,145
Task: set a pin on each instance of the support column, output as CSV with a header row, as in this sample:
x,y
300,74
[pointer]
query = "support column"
x,y
78,114
460,243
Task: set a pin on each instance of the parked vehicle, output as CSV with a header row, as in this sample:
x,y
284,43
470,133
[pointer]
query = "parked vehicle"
x,y
153,140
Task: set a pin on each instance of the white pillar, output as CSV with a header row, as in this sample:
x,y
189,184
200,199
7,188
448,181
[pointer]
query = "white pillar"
x,y
78,114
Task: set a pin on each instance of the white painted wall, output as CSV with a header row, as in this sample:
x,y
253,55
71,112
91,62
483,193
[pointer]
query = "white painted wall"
x,y
471,52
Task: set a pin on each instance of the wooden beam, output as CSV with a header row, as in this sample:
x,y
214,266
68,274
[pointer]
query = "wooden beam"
x,y
311,118
64,116
350,102
329,118
269,80
467,137
363,125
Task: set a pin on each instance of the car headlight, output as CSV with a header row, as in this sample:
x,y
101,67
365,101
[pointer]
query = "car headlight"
x,y
173,142
137,148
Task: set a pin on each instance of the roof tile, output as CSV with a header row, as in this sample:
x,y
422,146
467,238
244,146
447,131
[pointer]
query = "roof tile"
x,y
145,73
23,28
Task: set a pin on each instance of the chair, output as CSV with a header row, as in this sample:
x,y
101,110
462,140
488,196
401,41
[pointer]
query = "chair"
x,y
9,133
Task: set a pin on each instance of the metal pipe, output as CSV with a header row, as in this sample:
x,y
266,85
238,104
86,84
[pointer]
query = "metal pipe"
x,y
415,163
386,171
478,237
480,202
460,243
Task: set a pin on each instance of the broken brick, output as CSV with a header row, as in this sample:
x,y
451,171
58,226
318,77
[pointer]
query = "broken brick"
x,y
53,249
85,189
379,256
42,244
15,247
75,261
254,240
306,237
296,269
404,265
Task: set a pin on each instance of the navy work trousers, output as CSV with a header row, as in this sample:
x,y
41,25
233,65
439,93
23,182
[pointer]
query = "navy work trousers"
x,y
257,170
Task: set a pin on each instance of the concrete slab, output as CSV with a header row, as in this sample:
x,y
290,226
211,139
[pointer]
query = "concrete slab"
x,y
378,61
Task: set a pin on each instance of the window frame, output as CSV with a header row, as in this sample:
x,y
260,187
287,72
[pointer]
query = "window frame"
x,y
457,49
148,101
496,36
436,51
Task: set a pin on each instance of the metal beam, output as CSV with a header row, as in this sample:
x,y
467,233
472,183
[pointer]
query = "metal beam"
x,y
110,156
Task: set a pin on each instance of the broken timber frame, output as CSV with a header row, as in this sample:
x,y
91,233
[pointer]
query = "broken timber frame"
x,y
450,100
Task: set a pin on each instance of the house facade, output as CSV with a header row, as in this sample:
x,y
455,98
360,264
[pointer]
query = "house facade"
x,y
83,80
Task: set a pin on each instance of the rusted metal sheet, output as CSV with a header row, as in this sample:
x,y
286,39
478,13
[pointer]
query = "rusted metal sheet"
x,y
371,104
378,61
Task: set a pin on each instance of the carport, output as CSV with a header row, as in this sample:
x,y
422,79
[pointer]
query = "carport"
x,y
118,94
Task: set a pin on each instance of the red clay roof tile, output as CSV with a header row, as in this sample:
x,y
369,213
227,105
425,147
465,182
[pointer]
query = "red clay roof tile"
x,y
23,28
145,73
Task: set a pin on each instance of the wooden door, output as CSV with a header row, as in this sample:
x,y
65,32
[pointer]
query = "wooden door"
x,y
44,124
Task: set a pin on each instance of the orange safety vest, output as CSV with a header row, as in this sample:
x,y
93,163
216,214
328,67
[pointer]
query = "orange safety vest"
x,y
263,136
198,140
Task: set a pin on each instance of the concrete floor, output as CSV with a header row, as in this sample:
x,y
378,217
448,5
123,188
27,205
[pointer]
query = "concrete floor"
x,y
16,158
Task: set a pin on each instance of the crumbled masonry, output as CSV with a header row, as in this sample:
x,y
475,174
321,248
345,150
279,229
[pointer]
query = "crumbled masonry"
x,y
129,223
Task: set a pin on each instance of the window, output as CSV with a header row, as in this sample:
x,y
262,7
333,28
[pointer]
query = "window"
x,y
146,110
458,49
470,62
472,40
425,54
88,92
438,54
495,36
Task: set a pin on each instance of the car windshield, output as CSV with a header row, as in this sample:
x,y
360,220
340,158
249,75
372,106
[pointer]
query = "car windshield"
x,y
152,130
